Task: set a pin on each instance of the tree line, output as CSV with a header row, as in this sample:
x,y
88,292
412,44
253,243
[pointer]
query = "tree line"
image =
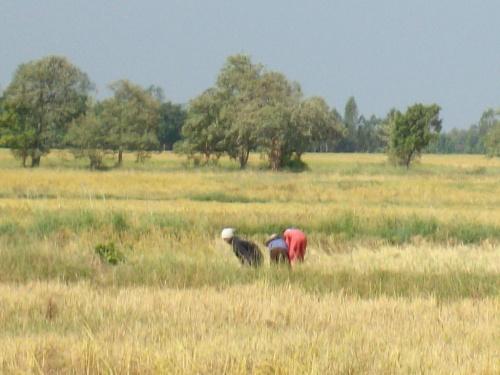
x,y
49,104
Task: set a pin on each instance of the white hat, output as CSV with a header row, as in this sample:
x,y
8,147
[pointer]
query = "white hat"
x,y
227,233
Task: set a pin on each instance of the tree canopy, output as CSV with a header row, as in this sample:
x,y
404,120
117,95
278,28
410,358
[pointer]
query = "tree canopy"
x,y
411,132
41,101
132,118
250,108
48,104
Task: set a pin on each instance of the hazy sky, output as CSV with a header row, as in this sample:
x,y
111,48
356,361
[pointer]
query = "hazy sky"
x,y
386,53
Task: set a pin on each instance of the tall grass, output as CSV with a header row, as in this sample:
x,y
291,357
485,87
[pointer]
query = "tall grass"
x,y
341,227
257,329
401,273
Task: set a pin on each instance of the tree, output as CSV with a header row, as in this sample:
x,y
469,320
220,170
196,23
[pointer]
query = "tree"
x,y
88,138
351,122
172,117
492,139
370,135
489,120
42,99
250,108
412,131
279,98
16,134
313,121
132,117
238,86
203,131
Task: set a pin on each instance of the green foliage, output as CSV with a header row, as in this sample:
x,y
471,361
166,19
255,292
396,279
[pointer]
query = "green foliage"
x,y
238,83
371,135
132,118
88,138
16,134
351,122
253,109
172,117
41,101
276,129
477,139
109,253
313,121
203,129
412,131
492,140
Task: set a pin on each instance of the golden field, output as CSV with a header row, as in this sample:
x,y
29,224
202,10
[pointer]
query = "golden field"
x,y
402,273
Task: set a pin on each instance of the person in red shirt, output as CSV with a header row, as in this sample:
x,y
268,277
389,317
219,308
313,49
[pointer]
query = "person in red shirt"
x,y
296,241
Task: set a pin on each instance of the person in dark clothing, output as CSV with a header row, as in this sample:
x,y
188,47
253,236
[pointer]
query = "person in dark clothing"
x,y
247,252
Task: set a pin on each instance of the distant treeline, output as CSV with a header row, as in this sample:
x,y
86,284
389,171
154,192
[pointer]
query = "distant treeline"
x,y
477,139
49,104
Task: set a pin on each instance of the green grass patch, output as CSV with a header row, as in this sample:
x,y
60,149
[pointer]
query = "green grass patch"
x,y
29,263
218,196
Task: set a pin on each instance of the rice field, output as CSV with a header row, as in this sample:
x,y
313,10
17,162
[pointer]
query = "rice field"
x,y
402,273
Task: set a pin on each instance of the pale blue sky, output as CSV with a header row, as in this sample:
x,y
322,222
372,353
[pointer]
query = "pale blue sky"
x,y
386,53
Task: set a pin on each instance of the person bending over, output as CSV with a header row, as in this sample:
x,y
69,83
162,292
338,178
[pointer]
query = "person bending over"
x,y
278,250
296,241
246,251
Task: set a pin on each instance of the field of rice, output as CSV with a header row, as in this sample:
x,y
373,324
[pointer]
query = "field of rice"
x,y
402,273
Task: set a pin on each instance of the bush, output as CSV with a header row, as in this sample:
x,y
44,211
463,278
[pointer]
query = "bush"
x,y
109,253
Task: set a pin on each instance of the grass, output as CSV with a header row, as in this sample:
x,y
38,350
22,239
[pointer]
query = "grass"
x,y
402,273
340,227
259,329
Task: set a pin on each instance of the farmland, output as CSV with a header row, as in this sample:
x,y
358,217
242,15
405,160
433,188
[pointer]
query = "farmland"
x,y
402,273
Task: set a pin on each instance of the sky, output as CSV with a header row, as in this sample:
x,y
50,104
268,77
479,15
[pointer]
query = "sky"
x,y
385,53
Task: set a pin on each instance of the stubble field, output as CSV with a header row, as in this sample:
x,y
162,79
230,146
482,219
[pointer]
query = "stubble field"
x,y
402,273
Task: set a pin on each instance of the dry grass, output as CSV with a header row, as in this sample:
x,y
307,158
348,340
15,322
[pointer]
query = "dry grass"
x,y
402,273
252,329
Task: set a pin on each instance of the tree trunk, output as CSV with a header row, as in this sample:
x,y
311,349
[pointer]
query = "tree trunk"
x,y
275,156
243,158
35,161
120,156
408,160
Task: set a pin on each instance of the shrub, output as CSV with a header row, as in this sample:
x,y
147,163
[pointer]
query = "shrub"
x,y
109,253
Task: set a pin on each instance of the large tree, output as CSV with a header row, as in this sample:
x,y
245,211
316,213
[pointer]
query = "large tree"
x,y
41,101
132,117
249,109
279,99
238,86
203,130
412,131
